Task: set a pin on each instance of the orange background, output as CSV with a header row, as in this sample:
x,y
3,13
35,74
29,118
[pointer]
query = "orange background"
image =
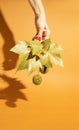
x,y
53,105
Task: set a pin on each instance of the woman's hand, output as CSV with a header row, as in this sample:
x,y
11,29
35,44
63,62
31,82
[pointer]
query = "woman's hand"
x,y
42,28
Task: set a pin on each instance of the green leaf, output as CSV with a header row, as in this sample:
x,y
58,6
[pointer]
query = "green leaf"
x,y
56,59
45,60
36,47
55,48
46,44
38,55
21,48
33,65
23,62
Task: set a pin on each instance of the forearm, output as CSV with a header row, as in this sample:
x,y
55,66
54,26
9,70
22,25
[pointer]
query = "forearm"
x,y
42,28
37,7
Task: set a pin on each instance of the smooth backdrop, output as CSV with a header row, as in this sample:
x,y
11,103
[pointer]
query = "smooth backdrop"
x,y
53,105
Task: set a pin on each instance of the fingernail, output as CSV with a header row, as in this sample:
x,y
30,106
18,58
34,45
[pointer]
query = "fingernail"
x,y
38,38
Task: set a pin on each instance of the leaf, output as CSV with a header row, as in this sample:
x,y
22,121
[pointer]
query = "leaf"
x,y
55,48
36,47
46,44
21,48
37,55
23,62
56,59
33,65
45,60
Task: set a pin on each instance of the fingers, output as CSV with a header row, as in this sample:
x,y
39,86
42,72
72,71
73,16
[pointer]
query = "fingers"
x,y
38,36
42,34
45,35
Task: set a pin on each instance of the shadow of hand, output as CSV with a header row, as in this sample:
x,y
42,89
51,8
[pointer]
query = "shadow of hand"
x,y
10,58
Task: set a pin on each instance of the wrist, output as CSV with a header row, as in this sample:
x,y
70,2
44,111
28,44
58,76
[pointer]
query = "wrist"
x,y
40,16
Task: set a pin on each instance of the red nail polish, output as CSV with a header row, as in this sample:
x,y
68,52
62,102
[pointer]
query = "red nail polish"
x,y
40,39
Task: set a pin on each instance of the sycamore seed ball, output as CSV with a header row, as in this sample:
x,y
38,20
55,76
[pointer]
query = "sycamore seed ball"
x,y
37,79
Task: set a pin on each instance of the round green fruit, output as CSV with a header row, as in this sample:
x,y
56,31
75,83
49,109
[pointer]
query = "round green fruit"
x,y
44,69
37,79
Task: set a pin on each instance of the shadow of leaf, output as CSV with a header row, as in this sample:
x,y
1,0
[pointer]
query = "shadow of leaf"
x,y
12,93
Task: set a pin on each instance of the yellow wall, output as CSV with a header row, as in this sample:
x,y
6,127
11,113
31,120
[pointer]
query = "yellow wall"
x,y
53,105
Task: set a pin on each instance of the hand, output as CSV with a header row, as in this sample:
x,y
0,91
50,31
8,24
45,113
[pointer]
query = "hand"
x,y
42,28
